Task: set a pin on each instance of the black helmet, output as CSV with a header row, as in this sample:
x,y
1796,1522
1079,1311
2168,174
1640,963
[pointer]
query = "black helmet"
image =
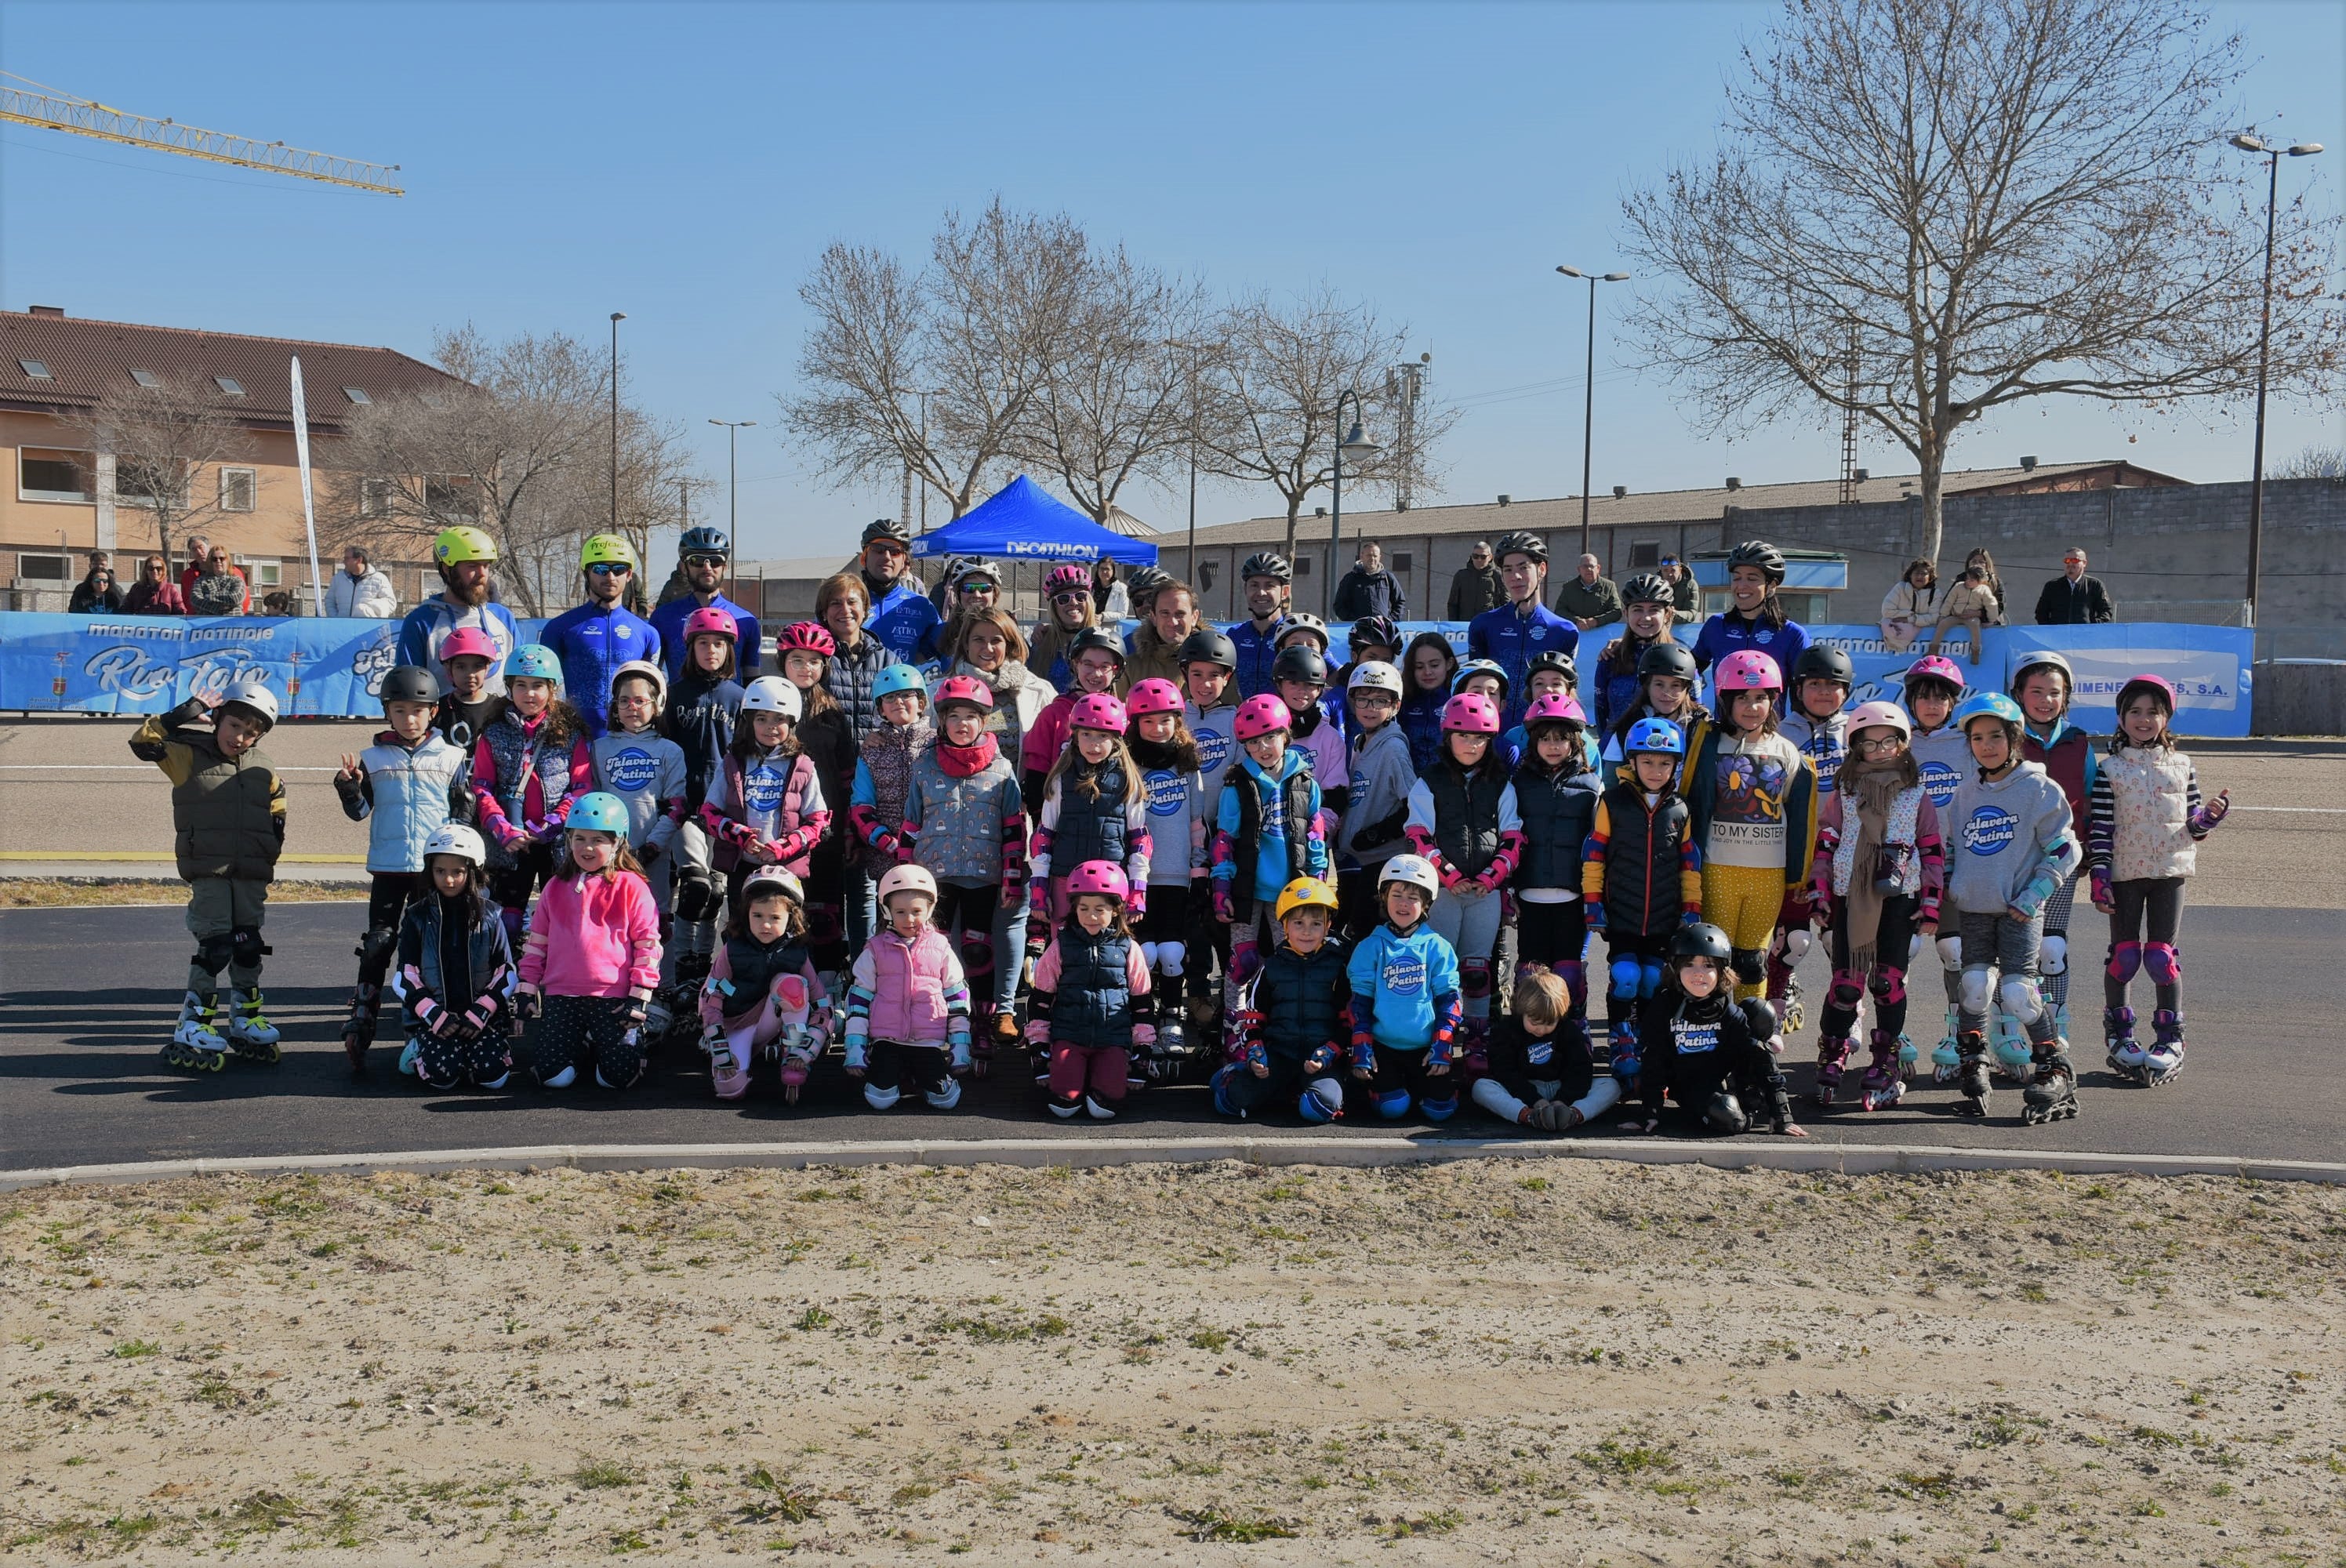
x,y
1702,940
1555,659
1382,631
1207,645
1648,588
886,529
1760,554
704,540
1724,1113
1668,659
1299,664
409,683
1145,581
1519,542
1267,563
1092,637
1823,663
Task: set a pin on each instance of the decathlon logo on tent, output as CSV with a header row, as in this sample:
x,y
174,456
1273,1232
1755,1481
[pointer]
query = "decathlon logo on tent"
x,y
1990,829
1055,552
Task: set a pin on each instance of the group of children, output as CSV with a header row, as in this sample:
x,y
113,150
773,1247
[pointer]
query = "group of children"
x,y
557,899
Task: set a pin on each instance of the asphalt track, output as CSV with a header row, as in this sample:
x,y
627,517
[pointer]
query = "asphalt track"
x,y
86,996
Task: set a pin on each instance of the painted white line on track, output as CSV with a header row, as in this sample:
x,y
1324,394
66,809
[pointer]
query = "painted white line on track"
x,y
2299,810
1303,1148
137,767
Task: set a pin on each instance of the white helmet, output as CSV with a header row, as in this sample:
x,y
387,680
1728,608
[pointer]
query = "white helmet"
x,y
1375,675
772,880
650,672
456,839
773,694
1417,871
252,692
907,879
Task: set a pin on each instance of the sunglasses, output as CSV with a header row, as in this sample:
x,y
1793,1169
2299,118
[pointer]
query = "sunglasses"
x,y
980,586
704,561
1074,597
887,549
610,568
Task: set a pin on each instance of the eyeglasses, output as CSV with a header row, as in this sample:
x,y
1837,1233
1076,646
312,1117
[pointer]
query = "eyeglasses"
x,y
1880,748
1076,597
718,561
610,568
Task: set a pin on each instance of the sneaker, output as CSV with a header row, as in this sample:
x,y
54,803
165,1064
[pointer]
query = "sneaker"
x,y
410,1055
1098,1110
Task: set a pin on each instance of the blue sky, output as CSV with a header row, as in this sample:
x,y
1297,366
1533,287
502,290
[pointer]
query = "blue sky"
x,y
688,163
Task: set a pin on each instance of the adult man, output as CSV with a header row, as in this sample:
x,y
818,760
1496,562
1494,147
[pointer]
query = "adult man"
x,y
1686,598
1590,599
1477,587
1523,626
596,638
2074,599
154,594
1156,642
1268,578
703,555
360,591
464,557
1368,589
902,620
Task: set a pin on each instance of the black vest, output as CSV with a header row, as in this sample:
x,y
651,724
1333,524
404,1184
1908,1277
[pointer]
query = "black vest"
x,y
1090,828
1466,814
1092,1005
1303,1000
1641,862
1295,818
756,967
1557,811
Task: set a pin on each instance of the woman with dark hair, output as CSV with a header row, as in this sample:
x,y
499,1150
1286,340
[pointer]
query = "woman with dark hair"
x,y
97,594
1428,666
1911,604
1110,601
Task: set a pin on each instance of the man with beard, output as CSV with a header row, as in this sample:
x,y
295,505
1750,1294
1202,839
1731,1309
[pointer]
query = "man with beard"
x,y
704,556
902,620
464,557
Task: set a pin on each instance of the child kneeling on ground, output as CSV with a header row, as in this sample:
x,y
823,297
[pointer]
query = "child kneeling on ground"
x,y
1542,1074
455,975
1706,1051
1289,1035
908,1002
1406,1002
593,954
1091,1002
762,990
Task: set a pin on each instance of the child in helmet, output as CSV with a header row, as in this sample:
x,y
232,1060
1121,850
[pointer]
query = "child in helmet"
x,y
1875,885
1551,673
1542,1074
527,767
1166,754
1815,723
455,975
471,704
883,767
646,771
2044,683
1708,1053
1934,684
1617,682
1092,1003
1291,1038
406,787
1210,703
827,736
1641,879
1376,822
1299,674
228,817
2012,845
766,805
763,990
1094,809
908,1002
1097,662
965,824
1753,798
1666,691
592,958
1463,819
1406,1007
1557,791
703,704
1754,619
2141,846
1266,833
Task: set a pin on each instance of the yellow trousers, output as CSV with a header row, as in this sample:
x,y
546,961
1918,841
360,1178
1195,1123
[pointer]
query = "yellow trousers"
x,y
1742,901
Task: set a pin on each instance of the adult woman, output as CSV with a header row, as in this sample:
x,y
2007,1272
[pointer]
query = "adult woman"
x,y
1428,667
1068,614
1109,600
97,594
840,604
220,591
1911,604
154,594
987,645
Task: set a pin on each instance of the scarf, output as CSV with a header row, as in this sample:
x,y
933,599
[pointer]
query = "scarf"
x,y
960,762
1877,785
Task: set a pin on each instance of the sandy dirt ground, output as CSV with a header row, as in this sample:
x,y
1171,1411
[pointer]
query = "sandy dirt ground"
x,y
1509,1361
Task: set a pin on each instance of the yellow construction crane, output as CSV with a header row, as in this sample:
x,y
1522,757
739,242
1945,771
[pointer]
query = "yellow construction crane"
x,y
52,110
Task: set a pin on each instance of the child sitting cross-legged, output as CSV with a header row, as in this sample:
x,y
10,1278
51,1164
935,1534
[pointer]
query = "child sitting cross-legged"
x,y
1707,1052
1290,1033
1542,1074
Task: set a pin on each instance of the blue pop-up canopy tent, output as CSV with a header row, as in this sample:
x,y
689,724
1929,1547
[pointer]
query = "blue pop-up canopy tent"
x,y
1023,522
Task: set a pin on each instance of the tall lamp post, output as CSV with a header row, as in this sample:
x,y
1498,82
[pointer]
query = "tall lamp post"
x,y
2247,142
1360,449
616,317
1589,404
733,428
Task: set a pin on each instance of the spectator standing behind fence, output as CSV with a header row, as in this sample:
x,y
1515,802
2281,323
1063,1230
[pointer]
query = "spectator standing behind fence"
x,y
361,590
1589,599
1477,585
1111,600
221,589
2073,599
1911,604
1970,603
154,594
98,593
1686,598
1368,589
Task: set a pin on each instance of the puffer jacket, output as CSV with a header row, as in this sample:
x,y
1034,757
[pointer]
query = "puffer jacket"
x,y
767,806
404,794
227,814
2146,817
1085,984
1076,826
1301,1003
699,718
883,782
525,775
1557,810
966,817
848,676
1258,813
426,948
912,992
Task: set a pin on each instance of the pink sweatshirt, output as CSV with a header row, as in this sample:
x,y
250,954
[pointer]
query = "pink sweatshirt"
x,y
593,936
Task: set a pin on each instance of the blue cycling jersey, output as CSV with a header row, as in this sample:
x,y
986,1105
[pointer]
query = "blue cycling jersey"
x,y
1510,639
593,641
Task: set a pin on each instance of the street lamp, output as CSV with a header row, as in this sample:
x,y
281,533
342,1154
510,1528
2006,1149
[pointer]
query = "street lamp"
x,y
1588,406
1191,566
616,317
733,427
2249,143
1360,449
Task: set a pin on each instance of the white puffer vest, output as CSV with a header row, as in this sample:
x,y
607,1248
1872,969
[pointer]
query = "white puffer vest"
x,y
2150,797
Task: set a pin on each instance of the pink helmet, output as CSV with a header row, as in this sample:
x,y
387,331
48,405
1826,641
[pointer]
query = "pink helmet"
x,y
1936,666
1098,877
468,641
805,636
1070,575
1470,712
1748,669
1554,706
1260,716
1099,711
2135,687
1152,697
1880,715
713,621
965,688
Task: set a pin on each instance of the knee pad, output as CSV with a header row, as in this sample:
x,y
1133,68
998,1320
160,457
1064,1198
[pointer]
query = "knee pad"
x,y
1951,953
1797,942
1624,975
977,952
881,1099
1649,978
1887,985
2053,957
1220,1085
246,949
213,953
2021,998
1149,956
945,1097
698,897
1760,1019
1393,1104
1244,960
2162,963
1474,978
1848,989
2125,960
1441,1110
1322,1101
1750,964
1979,989
1170,956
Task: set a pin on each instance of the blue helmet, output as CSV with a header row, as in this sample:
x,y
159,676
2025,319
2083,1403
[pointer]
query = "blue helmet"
x,y
1479,666
1655,734
599,812
533,661
704,540
898,678
1989,705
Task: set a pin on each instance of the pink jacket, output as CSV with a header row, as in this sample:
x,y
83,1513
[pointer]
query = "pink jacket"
x,y
593,936
1048,736
911,993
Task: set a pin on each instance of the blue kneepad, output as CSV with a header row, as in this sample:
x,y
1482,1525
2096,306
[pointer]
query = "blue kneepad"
x,y
1394,1104
1649,977
1624,974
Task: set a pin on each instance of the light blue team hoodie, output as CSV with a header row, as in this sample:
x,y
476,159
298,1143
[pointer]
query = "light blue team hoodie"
x,y
1404,987
2010,843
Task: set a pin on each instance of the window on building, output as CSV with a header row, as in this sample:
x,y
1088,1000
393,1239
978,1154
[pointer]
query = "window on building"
x,y
38,370
240,489
262,574
44,474
1403,560
1303,565
357,395
229,385
1645,554
135,481
146,377
451,498
32,568
378,497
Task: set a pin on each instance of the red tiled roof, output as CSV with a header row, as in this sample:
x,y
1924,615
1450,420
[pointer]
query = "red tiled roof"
x,y
86,358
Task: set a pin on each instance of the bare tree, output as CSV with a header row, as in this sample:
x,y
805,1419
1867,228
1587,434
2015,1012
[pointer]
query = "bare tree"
x,y
163,437
2002,200
2313,463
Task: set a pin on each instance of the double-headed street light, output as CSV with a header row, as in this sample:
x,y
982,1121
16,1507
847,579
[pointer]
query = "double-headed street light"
x,y
2247,142
1588,406
1360,449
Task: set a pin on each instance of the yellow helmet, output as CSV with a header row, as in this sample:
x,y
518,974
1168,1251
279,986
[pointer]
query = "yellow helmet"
x,y
1303,893
601,548
455,545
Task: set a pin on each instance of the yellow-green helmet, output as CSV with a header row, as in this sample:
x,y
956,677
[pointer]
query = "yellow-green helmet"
x,y
455,545
1303,893
602,548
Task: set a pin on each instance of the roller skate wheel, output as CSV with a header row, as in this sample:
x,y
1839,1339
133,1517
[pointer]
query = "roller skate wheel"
x,y
791,1094
192,1059
1884,1098
259,1053
1945,1073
